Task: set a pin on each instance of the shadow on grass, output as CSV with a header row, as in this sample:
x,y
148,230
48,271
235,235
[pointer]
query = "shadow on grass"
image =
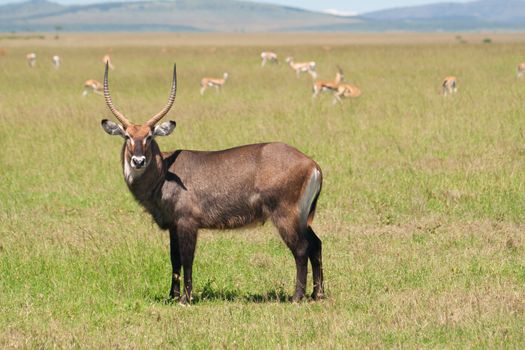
x,y
217,294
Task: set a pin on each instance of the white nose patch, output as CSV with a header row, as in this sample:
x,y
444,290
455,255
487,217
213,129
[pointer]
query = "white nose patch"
x,y
138,161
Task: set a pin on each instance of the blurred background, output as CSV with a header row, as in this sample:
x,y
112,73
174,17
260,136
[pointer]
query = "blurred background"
x,y
262,15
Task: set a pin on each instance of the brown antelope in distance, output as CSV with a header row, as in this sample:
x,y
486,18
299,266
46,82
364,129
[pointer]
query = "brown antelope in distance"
x,y
56,61
107,60
186,190
217,83
268,56
449,85
521,70
31,59
302,67
346,91
3,52
93,86
328,85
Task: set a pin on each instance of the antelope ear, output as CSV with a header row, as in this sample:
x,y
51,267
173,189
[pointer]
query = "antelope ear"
x,y
112,128
165,128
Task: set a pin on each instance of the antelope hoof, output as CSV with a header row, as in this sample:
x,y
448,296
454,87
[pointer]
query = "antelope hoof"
x,y
318,295
185,300
174,296
297,297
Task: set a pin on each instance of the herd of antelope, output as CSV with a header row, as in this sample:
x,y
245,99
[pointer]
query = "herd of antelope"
x,y
31,60
90,85
337,87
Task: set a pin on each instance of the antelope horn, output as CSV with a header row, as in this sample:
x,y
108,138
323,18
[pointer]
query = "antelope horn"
x,y
125,122
339,69
154,120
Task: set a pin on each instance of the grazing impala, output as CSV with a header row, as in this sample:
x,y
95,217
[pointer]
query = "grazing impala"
x,y
346,91
328,86
449,85
302,67
31,59
93,86
56,61
107,60
521,69
268,57
217,83
185,191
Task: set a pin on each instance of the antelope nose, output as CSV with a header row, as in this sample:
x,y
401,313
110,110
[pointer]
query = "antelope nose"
x,y
138,162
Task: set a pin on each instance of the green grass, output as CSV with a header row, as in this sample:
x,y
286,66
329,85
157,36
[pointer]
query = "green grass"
x,y
422,212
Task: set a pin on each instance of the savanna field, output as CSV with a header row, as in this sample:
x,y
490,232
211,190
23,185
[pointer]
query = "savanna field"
x,y
422,213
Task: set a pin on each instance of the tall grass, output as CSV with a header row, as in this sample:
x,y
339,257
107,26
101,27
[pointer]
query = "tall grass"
x,y
421,214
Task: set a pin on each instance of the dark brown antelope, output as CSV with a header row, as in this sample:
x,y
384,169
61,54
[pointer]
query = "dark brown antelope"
x,y
186,190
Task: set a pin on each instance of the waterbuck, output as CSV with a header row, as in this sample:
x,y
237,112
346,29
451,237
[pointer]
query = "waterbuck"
x,y
186,190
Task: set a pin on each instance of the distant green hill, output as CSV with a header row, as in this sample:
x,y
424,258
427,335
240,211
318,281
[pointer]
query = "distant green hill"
x,y
180,15
488,11
243,16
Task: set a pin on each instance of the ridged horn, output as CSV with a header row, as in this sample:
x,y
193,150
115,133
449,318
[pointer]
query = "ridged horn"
x,y
154,120
123,120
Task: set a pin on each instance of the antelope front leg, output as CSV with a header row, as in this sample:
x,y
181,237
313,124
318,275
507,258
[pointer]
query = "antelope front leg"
x,y
337,99
187,239
175,264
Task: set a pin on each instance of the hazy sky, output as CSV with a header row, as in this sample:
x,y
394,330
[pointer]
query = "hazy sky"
x,y
343,6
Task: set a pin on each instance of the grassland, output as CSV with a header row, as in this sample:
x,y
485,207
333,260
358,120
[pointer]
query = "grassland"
x,y
422,213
